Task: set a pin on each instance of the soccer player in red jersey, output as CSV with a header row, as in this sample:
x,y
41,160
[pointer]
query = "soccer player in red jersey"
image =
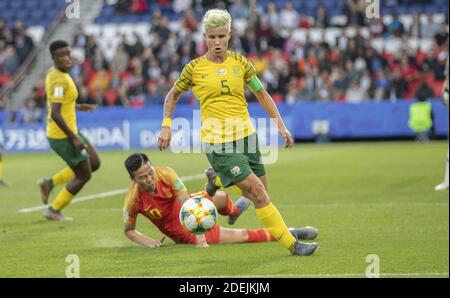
x,y
158,194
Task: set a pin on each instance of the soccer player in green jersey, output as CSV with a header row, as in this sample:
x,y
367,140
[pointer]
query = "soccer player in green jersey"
x,y
229,138
63,135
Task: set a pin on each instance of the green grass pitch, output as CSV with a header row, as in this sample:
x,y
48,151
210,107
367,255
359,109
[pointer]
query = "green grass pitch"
x,y
365,198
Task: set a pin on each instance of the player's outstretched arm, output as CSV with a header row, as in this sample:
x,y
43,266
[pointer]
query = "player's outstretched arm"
x,y
166,127
140,238
266,101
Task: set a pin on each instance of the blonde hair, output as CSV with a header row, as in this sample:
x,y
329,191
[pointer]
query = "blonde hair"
x,y
216,18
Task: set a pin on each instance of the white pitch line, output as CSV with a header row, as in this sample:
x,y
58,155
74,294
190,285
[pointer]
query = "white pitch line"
x,y
103,195
329,275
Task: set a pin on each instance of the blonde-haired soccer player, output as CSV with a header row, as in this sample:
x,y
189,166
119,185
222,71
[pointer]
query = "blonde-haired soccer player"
x,y
63,135
217,80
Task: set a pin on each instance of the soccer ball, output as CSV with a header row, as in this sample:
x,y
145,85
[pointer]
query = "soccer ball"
x,y
198,215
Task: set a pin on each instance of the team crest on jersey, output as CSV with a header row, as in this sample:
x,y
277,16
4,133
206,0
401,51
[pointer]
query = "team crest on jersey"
x,y
237,71
235,170
221,72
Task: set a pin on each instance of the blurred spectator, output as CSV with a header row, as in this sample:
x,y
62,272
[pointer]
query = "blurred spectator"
x,y
239,10
2,29
138,6
39,93
355,93
160,27
417,28
430,28
121,6
273,15
84,96
154,93
99,82
250,43
90,47
322,18
382,86
79,39
31,113
421,116
289,17
4,78
24,46
189,21
424,91
395,28
119,63
181,5
9,60
441,37
354,12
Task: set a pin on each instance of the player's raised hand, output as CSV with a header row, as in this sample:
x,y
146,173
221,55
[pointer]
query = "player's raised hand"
x,y
164,138
288,140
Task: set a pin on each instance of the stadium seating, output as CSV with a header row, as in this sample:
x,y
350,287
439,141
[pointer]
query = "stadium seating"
x,y
32,13
334,8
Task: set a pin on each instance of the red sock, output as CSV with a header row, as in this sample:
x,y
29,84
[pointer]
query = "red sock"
x,y
259,235
229,209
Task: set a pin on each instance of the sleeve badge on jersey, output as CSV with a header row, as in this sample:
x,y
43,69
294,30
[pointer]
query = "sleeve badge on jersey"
x,y
58,92
126,216
236,71
179,185
221,72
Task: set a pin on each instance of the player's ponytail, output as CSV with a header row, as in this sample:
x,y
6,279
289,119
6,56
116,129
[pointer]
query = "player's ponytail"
x,y
216,18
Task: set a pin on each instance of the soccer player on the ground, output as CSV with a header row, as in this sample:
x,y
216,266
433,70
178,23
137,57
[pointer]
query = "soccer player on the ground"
x,y
63,135
217,80
445,95
2,183
158,194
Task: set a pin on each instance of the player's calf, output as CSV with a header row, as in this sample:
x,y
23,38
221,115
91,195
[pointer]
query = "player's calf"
x,y
46,187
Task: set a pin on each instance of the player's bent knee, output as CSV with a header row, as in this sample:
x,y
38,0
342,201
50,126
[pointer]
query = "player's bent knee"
x,y
85,177
95,165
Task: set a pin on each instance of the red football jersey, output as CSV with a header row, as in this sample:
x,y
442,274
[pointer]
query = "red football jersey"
x,y
161,208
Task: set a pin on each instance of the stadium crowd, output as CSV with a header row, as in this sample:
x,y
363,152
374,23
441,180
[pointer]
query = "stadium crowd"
x,y
15,45
348,69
